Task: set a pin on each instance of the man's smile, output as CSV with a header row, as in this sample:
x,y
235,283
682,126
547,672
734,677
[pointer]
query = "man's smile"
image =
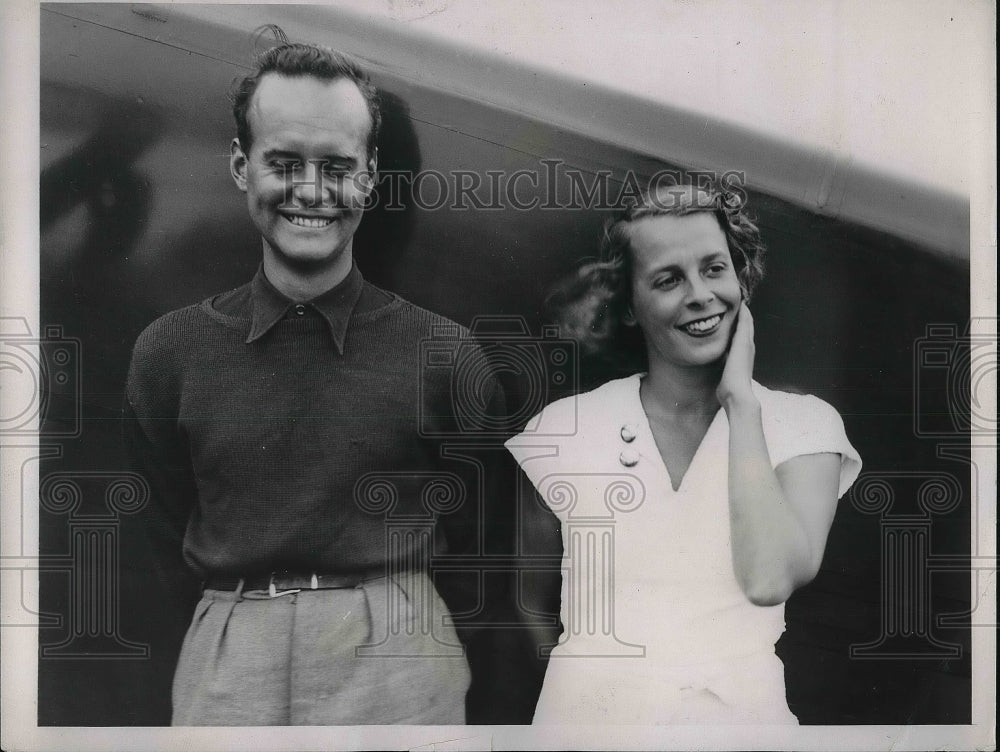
x,y
312,221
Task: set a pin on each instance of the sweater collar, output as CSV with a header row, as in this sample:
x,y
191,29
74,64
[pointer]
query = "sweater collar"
x,y
335,305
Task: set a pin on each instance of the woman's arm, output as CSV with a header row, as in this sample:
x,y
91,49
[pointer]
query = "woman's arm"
x,y
779,518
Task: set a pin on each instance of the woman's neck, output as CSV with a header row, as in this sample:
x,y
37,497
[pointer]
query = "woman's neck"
x,y
670,390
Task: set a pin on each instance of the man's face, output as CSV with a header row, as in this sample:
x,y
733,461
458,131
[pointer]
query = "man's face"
x,y
307,173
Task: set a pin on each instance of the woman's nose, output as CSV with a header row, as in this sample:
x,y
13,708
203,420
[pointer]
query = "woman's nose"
x,y
699,292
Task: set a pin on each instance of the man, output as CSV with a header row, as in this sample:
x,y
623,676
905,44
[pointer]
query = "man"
x,y
287,429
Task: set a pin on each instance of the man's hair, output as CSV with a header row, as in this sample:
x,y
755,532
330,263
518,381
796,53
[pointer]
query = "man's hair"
x,y
304,60
593,304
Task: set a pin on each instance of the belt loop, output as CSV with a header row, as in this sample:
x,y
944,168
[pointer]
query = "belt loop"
x,y
239,589
273,591
314,582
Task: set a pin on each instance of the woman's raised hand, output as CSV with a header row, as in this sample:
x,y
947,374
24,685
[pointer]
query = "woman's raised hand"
x,y
734,386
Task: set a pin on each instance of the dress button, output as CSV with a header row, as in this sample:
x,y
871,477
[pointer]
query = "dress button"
x,y
300,310
629,458
628,433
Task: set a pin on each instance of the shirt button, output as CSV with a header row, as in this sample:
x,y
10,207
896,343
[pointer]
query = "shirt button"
x,y
628,433
300,310
629,458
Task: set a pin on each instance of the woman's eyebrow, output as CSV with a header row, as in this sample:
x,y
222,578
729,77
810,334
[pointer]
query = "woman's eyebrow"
x,y
674,267
664,268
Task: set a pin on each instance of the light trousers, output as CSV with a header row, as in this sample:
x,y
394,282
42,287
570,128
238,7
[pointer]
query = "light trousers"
x,y
384,652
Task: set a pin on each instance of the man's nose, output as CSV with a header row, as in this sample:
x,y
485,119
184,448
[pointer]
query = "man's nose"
x,y
311,186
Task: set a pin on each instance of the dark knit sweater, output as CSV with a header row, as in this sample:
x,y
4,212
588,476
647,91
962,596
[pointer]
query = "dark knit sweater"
x,y
324,437
284,437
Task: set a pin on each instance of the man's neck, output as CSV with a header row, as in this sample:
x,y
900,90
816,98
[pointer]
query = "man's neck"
x,y
304,284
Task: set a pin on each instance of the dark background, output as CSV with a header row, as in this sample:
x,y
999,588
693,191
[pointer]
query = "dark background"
x,y
139,216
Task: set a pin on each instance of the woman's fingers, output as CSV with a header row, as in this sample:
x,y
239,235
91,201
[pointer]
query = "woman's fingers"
x,y
738,372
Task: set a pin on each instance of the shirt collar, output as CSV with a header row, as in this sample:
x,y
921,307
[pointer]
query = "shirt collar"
x,y
335,305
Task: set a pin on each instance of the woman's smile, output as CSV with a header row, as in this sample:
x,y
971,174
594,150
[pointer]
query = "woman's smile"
x,y
703,327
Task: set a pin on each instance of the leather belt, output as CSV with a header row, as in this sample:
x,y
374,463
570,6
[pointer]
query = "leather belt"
x,y
280,583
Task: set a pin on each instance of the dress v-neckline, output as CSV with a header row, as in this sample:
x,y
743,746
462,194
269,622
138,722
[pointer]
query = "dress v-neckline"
x,y
655,447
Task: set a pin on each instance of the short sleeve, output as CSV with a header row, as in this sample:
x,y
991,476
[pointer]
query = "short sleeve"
x,y
548,443
801,425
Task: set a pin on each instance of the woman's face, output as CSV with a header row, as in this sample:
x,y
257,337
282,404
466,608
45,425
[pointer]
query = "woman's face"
x,y
685,292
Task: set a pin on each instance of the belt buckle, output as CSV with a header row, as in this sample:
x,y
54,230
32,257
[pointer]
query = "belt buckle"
x,y
274,592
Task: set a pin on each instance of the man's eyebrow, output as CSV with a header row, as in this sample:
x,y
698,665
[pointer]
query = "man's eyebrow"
x,y
330,158
280,153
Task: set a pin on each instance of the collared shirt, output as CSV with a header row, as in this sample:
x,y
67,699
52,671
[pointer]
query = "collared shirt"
x,y
269,305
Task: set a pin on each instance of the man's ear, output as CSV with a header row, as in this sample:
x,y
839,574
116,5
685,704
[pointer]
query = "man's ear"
x,y
238,165
373,168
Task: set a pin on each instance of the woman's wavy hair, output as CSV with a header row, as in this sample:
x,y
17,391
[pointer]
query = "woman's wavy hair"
x,y
592,305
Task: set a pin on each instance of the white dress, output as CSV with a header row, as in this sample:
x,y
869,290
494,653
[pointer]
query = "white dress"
x,y
656,628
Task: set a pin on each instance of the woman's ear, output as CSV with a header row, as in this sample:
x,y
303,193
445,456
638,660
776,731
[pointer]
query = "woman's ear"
x,y
744,292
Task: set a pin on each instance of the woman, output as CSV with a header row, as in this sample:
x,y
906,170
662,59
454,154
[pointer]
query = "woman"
x,y
692,500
